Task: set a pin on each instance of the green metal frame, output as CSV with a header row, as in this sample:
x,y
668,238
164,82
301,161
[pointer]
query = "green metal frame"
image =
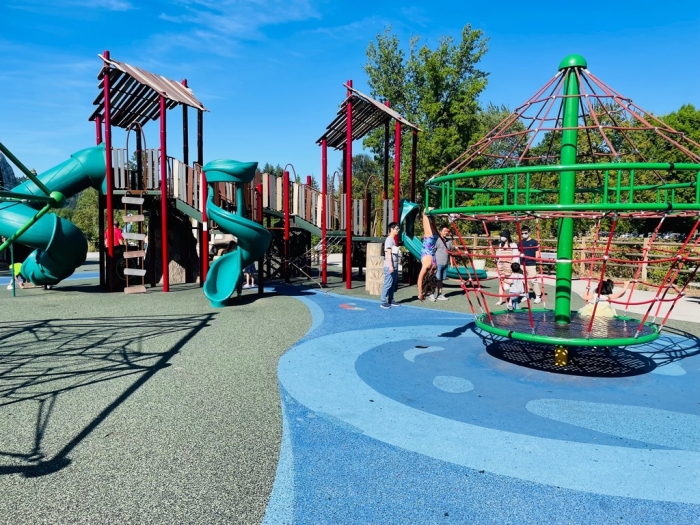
x,y
53,199
516,194
617,188
482,323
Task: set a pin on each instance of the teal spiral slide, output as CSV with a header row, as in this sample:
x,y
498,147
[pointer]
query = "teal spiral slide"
x,y
226,273
59,246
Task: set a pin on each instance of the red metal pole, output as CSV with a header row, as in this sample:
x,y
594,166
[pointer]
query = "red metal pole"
x,y
98,130
324,226
386,159
348,195
258,203
259,218
100,210
285,197
204,249
308,180
204,243
109,177
164,196
185,132
397,170
414,158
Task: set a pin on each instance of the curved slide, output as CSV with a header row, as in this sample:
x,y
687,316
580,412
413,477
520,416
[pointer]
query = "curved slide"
x,y
226,273
60,247
409,211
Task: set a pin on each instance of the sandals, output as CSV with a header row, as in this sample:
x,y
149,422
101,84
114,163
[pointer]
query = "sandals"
x,y
499,303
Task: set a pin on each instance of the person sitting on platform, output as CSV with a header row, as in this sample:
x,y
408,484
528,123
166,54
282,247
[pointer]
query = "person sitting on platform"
x,y
605,294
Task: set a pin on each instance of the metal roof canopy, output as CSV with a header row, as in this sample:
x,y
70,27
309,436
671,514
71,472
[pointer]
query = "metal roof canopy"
x,y
135,95
367,114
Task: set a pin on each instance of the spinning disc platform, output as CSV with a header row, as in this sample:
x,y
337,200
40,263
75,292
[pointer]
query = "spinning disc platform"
x,y
615,331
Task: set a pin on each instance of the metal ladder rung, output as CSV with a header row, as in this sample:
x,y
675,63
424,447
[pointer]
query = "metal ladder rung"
x,y
134,254
132,200
135,289
134,271
134,236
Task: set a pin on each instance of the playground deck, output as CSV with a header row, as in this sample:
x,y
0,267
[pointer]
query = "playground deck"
x,y
159,409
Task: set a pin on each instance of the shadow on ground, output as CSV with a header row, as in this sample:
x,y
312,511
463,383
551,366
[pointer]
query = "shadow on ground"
x,y
673,345
43,360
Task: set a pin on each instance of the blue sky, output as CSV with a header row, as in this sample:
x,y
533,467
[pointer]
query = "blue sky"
x,y
271,71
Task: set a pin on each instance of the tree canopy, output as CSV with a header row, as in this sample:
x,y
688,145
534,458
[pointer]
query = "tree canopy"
x,y
437,90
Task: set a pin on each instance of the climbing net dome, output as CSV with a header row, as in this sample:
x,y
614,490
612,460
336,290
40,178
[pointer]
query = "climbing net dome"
x,y
578,152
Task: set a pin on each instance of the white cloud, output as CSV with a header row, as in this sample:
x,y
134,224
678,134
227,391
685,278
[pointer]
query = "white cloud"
x,y
416,15
109,5
233,20
357,29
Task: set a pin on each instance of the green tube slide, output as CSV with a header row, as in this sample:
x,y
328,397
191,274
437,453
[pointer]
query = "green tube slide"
x,y
226,273
409,211
60,247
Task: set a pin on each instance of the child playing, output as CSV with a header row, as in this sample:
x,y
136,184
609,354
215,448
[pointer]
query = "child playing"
x,y
16,276
427,257
516,280
605,294
249,276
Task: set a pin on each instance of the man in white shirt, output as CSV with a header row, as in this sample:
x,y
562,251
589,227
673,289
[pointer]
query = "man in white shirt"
x,y
391,267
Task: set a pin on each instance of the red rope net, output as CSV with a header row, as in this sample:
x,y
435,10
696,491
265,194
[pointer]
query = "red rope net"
x,y
675,269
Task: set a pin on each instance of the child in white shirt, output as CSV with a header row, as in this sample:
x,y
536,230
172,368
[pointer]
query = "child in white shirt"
x,y
516,280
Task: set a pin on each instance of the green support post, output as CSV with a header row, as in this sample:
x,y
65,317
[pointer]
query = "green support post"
x,y
567,189
12,269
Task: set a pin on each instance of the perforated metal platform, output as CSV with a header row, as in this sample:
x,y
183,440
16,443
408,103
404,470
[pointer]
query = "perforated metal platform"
x,y
616,331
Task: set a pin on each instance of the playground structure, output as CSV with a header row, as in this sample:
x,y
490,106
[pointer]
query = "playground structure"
x,y
536,165
225,274
129,97
358,115
152,187
59,246
569,154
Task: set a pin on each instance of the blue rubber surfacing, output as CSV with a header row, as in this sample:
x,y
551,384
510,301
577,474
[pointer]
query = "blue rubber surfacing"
x,y
402,416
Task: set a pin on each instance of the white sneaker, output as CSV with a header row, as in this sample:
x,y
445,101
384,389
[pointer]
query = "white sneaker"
x,y
538,300
9,286
441,297
431,297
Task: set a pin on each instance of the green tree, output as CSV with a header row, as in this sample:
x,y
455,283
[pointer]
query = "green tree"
x,y
277,171
437,90
686,120
363,167
85,216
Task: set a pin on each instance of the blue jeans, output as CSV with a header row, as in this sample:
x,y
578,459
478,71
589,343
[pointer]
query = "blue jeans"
x,y
391,279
